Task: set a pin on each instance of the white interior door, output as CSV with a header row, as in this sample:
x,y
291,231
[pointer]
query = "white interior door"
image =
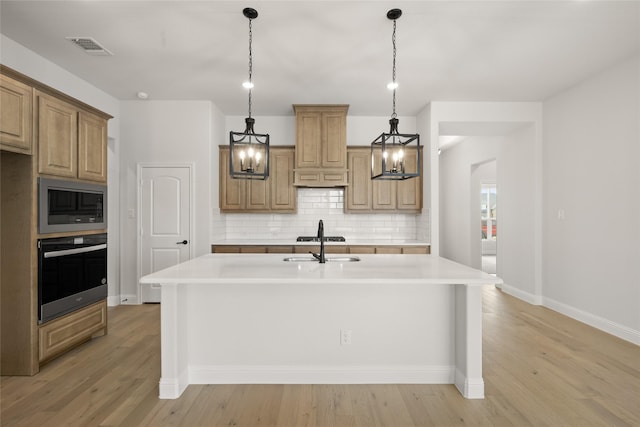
x,y
165,221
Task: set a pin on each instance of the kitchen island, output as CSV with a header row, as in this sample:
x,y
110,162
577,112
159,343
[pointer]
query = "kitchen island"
x,y
230,319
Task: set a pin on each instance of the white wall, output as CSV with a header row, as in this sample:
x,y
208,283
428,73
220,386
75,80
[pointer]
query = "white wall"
x,y
522,177
459,205
361,130
592,201
27,62
164,132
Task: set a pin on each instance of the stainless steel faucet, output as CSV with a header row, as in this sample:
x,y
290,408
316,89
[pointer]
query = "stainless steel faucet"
x,y
320,257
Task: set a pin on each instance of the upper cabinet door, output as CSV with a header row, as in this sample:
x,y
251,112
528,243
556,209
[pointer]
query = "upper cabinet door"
x,y
283,193
57,137
15,116
309,139
232,194
92,147
357,195
410,190
334,140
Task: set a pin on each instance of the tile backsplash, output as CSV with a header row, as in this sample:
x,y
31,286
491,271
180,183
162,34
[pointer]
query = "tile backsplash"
x,y
326,204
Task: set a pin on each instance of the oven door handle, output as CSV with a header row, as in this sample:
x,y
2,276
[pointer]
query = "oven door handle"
x,y
54,254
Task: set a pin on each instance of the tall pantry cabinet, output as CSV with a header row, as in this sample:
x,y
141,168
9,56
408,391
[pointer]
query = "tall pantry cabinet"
x,y
43,132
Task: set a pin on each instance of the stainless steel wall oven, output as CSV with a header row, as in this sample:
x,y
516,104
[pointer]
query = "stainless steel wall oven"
x,y
72,273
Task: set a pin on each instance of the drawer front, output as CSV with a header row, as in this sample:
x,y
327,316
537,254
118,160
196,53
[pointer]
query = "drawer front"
x,y
61,334
334,178
419,250
307,178
320,178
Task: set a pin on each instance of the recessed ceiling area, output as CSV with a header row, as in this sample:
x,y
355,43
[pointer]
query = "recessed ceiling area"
x,y
330,51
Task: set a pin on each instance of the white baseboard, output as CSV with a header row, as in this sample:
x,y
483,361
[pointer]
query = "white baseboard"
x,y
113,300
321,375
129,299
597,322
471,388
520,294
603,324
172,388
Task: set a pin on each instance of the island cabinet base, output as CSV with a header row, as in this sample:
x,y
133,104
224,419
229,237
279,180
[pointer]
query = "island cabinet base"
x,y
321,334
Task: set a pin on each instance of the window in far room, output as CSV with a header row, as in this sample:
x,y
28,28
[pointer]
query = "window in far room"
x,y
489,220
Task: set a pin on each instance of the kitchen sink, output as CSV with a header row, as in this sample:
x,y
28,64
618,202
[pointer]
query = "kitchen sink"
x,y
328,259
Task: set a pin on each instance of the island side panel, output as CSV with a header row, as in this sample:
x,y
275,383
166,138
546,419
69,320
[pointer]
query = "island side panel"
x,y
468,340
291,333
173,342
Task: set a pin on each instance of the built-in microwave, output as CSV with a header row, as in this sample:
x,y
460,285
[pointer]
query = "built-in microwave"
x,y
71,206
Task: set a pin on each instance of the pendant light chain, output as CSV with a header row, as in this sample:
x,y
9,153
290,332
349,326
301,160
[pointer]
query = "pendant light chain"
x,y
393,41
250,65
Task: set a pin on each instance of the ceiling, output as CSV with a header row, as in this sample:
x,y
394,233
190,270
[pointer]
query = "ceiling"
x,y
330,51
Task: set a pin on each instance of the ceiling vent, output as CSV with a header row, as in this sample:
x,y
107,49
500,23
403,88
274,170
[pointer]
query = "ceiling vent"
x,y
90,46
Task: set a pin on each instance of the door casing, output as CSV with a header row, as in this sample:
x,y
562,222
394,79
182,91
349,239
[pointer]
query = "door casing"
x,y
139,174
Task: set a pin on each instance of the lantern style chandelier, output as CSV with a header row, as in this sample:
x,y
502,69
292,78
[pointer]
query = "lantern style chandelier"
x,y
394,155
249,151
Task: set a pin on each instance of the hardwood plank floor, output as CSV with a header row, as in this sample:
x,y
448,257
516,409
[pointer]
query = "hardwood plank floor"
x,y
540,369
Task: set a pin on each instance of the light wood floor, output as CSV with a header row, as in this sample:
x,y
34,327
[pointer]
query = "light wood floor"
x,y
540,369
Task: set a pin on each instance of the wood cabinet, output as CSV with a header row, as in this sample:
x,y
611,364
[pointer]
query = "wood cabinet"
x,y
321,145
16,115
59,335
92,147
18,265
66,138
71,143
252,249
57,137
358,195
390,249
409,191
329,248
379,196
283,193
275,194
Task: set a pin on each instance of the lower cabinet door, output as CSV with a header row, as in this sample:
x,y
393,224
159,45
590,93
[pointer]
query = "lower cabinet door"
x,y
59,335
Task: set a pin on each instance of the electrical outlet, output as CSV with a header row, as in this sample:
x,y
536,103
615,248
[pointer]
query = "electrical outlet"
x,y
345,336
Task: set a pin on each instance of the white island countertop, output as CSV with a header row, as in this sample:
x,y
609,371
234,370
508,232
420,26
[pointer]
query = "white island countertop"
x,y
271,268
254,318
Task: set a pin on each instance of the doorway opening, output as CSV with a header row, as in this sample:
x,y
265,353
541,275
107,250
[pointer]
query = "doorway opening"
x,y
489,225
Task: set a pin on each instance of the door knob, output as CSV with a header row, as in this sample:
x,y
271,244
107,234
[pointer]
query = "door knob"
x,y
184,242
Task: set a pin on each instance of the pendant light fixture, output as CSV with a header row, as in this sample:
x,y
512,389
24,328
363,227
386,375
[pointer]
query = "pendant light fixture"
x,y
249,151
395,155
